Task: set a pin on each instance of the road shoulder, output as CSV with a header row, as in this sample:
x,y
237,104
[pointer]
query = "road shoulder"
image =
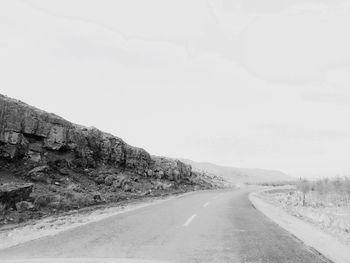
x,y
325,244
53,225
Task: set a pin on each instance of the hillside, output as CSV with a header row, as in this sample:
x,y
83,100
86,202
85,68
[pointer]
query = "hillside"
x,y
48,164
239,175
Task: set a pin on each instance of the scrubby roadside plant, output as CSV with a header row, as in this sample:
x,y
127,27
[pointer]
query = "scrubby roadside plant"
x,y
304,187
2,208
334,191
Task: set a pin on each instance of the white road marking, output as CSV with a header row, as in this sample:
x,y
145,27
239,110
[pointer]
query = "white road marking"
x,y
239,230
206,204
188,222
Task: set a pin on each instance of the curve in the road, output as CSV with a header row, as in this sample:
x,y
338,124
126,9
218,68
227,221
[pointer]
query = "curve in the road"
x,y
183,229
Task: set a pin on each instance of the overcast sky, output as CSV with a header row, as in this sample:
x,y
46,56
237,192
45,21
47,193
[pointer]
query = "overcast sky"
x,y
245,83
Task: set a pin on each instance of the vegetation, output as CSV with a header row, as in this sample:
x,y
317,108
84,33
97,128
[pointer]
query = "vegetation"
x,y
325,191
2,209
275,183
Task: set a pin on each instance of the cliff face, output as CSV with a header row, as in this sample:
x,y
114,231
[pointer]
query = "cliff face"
x,y
48,165
171,169
30,134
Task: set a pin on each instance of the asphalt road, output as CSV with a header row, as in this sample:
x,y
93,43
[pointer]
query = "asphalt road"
x,y
211,226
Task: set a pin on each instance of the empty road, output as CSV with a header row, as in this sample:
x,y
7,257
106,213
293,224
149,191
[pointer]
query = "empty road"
x,y
209,226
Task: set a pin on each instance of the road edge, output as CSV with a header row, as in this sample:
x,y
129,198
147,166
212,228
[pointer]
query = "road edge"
x,y
51,232
310,235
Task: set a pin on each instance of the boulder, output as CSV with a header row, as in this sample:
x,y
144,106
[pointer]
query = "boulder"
x,y
100,179
110,179
10,194
64,171
97,198
39,169
162,186
128,188
40,174
43,201
120,182
24,206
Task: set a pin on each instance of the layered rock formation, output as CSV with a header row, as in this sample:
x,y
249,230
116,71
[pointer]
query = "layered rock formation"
x,y
170,168
49,165
33,135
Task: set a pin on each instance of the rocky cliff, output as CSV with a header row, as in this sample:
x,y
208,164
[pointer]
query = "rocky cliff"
x,y
68,166
30,134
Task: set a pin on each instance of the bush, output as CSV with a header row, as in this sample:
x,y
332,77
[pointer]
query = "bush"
x,y
335,191
43,201
74,200
2,209
304,187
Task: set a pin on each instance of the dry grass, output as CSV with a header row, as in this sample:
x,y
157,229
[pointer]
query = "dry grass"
x,y
276,183
334,192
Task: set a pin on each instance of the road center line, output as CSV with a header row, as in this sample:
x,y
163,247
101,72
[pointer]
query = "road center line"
x,y
206,204
188,222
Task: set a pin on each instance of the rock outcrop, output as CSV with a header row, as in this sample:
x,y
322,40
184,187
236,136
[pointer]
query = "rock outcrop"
x,y
40,137
171,169
33,135
10,194
69,166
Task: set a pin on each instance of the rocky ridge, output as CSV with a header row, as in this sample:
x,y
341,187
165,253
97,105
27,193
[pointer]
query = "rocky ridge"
x,y
72,166
27,133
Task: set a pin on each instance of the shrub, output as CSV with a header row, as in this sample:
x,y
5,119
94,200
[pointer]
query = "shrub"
x,y
335,191
43,201
74,200
2,209
304,187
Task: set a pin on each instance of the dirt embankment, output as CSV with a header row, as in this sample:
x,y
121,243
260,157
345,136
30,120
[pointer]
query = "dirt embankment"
x,y
49,165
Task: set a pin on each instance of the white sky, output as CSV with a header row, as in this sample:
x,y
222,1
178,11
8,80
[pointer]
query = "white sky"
x,y
246,83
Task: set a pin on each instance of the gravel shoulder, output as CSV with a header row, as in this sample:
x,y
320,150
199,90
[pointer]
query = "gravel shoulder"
x,y
325,244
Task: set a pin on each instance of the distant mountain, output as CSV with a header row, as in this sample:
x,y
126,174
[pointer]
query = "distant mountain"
x,y
239,175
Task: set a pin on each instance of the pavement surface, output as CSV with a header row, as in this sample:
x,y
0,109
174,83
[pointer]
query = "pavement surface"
x,y
207,226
